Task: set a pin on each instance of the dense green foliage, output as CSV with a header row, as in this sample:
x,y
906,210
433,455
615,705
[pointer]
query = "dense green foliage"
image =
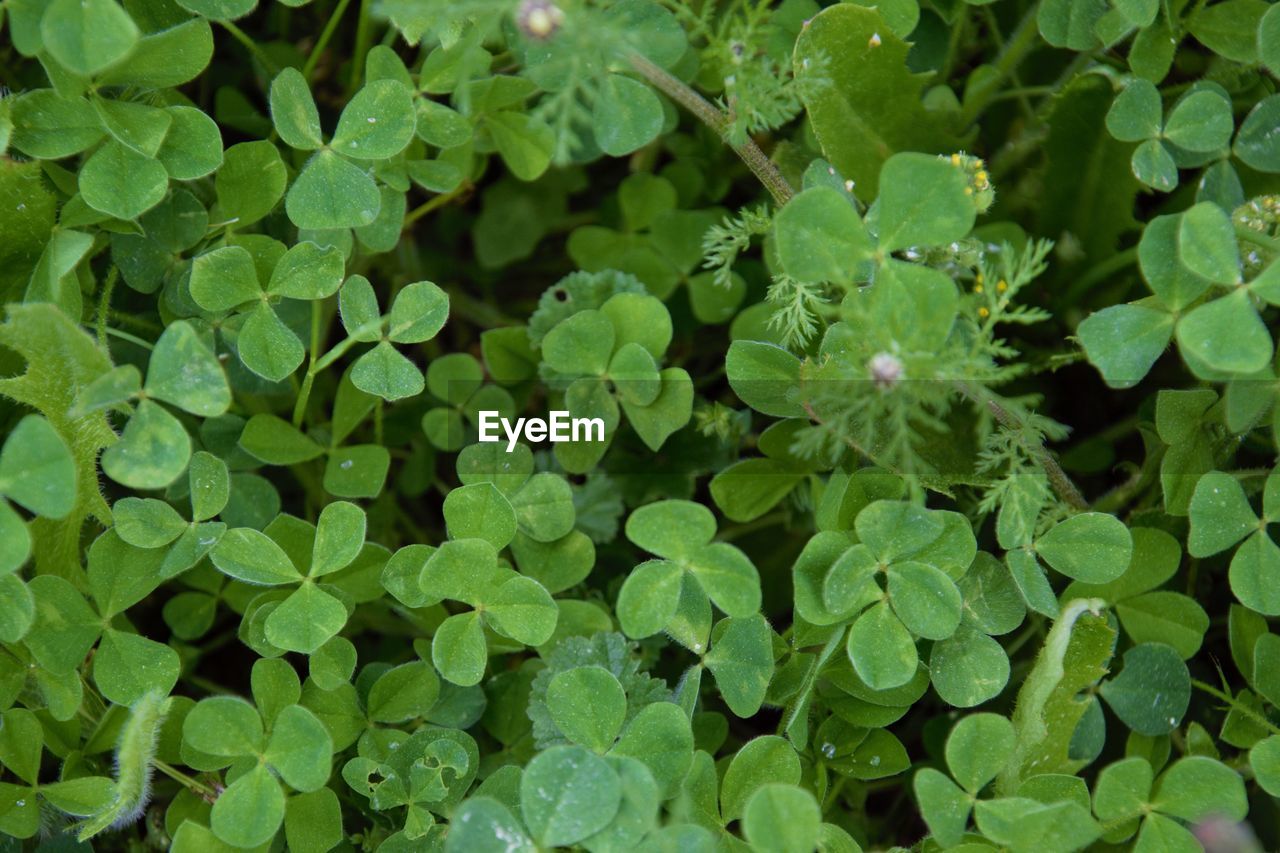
x,y
933,345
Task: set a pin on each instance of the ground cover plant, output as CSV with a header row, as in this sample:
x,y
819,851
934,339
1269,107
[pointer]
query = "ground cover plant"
x,y
931,343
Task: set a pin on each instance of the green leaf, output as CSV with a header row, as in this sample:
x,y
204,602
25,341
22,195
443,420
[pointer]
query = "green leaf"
x,y
881,649
193,146
300,749
185,372
122,183
151,453
1200,122
761,761
1255,575
524,611
649,597
627,115
1092,547
484,825
1197,786
304,621
267,346
1256,144
568,794
139,127
785,818
1151,693
968,668
871,107
589,705
418,313
821,238
458,649
37,469
224,726
923,201
403,693
1154,166
277,442
1226,335
127,667
377,123
331,192
307,271
293,111
766,377
479,511
581,344
253,557
249,812
925,599
224,278
88,37
385,373
166,58
978,748
1135,113
525,143
340,534
741,658
1207,244
220,10
1066,24
1220,515
251,181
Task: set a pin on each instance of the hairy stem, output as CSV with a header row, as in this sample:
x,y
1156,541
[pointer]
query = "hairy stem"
x,y
1057,477
714,118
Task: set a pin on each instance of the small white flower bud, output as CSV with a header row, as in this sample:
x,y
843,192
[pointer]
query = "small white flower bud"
x,y
886,370
539,19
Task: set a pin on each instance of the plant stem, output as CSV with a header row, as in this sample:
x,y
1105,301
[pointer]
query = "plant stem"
x,y
1258,239
125,336
178,776
435,203
364,40
252,46
300,407
1024,39
714,118
327,33
1057,477
1100,272
104,307
1235,705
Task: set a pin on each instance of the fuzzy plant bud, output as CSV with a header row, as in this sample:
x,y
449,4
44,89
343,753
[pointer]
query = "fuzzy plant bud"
x,y
539,19
885,369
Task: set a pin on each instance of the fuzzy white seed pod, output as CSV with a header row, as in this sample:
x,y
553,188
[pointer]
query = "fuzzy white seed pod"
x,y
886,370
539,19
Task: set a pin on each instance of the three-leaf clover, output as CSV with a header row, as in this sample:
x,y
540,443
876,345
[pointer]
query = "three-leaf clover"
x,y
1221,517
609,357
1130,798
1183,259
230,279
418,312
673,592
225,731
331,191
513,606
1200,122
310,615
153,523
